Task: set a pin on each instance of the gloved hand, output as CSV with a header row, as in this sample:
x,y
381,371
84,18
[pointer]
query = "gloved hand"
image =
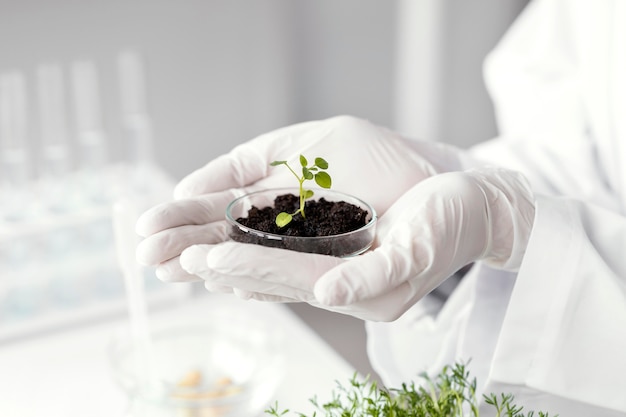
x,y
367,161
438,226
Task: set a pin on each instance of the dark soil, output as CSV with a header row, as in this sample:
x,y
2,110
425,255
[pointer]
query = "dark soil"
x,y
323,218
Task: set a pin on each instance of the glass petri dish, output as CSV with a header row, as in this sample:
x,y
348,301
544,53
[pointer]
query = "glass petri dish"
x,y
224,366
341,245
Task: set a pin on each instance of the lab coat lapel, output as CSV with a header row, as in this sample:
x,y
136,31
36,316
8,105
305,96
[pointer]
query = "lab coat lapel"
x,y
602,40
618,101
593,29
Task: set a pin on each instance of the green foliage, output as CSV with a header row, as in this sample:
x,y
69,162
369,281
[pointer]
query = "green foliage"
x,y
452,393
317,172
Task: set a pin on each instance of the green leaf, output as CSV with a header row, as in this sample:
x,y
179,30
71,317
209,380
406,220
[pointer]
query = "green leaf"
x,y
452,393
307,174
323,179
308,194
321,162
303,161
275,163
283,219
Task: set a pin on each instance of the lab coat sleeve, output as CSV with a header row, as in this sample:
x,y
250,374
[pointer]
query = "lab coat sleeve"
x,y
554,335
563,338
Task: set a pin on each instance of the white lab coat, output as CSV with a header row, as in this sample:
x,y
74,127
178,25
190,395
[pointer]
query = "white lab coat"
x,y
554,333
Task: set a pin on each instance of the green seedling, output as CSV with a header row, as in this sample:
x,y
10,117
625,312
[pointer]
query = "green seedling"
x,y
317,171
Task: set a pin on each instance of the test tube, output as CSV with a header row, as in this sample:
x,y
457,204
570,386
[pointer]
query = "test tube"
x,y
55,147
20,295
54,132
91,138
134,107
92,143
15,168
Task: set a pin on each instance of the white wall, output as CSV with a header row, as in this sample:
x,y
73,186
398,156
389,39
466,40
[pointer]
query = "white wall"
x,y
219,71
345,55
223,71
440,94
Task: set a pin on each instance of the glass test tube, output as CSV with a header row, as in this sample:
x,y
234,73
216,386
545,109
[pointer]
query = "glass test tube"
x,y
92,142
56,188
54,132
15,164
91,138
134,107
137,123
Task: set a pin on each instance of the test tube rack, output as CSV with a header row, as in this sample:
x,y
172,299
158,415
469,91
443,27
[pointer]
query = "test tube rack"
x,y
58,263
59,269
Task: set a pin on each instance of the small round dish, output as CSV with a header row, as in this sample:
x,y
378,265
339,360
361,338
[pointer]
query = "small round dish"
x,y
341,245
222,366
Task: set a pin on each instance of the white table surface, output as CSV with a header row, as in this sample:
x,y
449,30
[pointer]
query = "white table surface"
x,y
66,373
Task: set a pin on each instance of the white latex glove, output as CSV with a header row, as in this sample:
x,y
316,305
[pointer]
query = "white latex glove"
x,y
440,225
367,161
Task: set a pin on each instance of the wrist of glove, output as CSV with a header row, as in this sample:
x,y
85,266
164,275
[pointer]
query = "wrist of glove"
x,y
435,228
510,211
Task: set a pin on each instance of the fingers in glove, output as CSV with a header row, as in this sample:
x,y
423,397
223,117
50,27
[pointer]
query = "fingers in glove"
x,y
272,284
384,308
364,277
232,170
272,298
217,288
258,289
170,243
246,295
171,271
259,269
245,164
198,210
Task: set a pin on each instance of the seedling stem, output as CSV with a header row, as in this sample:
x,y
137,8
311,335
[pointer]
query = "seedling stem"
x,y
316,171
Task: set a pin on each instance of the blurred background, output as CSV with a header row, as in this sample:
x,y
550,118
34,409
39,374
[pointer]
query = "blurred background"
x,y
95,84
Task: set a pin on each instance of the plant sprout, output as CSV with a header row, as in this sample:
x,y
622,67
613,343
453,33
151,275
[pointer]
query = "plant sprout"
x,y
317,171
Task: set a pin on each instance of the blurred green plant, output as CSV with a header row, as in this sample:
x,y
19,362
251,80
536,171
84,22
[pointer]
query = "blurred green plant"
x,y
452,393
